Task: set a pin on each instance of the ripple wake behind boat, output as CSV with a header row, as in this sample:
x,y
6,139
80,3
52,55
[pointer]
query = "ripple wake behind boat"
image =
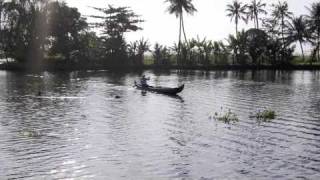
x,y
59,97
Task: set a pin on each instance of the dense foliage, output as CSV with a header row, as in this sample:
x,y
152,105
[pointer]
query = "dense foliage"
x,y
32,30
39,33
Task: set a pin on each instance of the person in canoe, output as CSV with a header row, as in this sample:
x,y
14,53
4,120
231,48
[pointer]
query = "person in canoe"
x,y
143,81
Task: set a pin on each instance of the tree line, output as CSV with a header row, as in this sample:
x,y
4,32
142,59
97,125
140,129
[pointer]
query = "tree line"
x,y
50,33
275,42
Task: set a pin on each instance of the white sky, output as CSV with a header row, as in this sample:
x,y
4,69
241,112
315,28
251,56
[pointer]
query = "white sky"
x,y
210,21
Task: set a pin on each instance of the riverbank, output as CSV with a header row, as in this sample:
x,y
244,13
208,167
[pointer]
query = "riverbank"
x,y
75,67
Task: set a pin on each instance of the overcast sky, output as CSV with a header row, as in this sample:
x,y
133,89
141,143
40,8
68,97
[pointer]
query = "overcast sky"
x,y
210,21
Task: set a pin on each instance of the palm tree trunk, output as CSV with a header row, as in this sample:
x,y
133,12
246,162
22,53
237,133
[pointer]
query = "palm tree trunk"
x,y
184,34
236,28
183,29
302,51
180,30
282,35
257,21
318,44
2,15
282,30
179,41
236,48
1,25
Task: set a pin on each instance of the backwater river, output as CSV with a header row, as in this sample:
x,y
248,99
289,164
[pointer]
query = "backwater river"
x,y
78,129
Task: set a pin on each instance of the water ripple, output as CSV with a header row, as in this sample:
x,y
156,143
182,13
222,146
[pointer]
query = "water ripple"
x,y
79,130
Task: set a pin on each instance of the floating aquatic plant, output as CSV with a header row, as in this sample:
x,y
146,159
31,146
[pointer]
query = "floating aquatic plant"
x,y
226,116
265,116
30,133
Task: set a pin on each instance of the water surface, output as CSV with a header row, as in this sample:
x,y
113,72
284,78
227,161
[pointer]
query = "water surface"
x,y
78,129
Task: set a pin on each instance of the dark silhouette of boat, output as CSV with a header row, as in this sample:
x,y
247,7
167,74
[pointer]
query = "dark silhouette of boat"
x,y
159,89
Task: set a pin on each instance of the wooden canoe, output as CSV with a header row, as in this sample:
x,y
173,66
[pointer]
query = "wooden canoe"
x,y
159,89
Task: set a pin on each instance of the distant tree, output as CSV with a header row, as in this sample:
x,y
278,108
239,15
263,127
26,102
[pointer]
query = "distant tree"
x,y
1,15
216,51
236,11
203,50
66,27
143,47
242,57
314,25
136,51
1,12
23,29
233,46
270,27
33,29
257,44
273,50
133,52
280,13
298,32
161,54
89,51
186,54
254,9
239,43
221,53
177,7
207,50
115,22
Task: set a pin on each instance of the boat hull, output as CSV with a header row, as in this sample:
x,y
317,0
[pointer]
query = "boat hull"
x,y
162,90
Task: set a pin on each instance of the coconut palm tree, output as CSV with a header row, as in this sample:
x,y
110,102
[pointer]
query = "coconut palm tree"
x,y
314,24
254,9
161,55
143,46
178,7
238,43
281,13
137,49
298,32
1,12
236,11
221,52
2,9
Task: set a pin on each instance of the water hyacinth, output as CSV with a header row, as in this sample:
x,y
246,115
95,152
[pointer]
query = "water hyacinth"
x,y
226,116
265,115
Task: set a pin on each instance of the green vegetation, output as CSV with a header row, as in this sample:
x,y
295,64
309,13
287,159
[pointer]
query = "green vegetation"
x,y
115,23
226,116
265,116
39,34
30,133
254,10
237,11
178,7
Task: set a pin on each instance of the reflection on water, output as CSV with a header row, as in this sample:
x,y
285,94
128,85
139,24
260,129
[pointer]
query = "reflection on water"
x,y
78,129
